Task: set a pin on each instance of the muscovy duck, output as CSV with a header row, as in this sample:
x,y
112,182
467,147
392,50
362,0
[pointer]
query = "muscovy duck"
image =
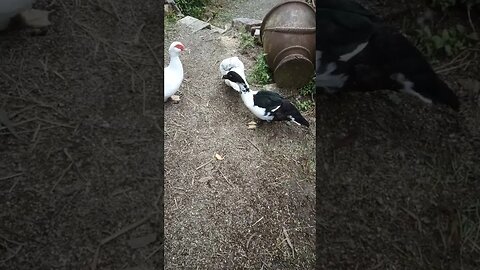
x,y
267,105
173,73
235,65
357,51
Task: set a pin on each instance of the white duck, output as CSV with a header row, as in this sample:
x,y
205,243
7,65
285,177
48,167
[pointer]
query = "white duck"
x,y
173,73
233,64
10,8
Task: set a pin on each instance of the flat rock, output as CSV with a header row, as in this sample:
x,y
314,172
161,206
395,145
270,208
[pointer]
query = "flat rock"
x,y
194,24
246,23
270,87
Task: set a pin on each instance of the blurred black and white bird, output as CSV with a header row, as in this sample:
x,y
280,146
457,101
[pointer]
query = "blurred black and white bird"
x,y
235,65
357,51
267,105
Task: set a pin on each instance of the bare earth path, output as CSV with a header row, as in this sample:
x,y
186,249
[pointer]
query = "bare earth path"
x,y
233,213
84,101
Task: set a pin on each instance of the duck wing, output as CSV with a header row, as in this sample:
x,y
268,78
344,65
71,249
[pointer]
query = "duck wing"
x,y
268,100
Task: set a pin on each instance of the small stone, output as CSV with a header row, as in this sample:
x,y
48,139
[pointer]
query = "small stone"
x,y
270,87
245,23
218,157
194,23
175,98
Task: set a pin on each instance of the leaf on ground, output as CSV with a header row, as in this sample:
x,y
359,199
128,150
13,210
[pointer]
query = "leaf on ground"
x,y
142,241
205,179
35,18
218,157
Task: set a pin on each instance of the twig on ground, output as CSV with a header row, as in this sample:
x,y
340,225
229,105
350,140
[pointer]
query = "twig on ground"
x,y
203,165
55,123
77,170
37,102
117,234
45,66
288,241
97,4
35,134
136,39
144,100
160,65
256,222
61,177
457,59
417,219
13,255
256,147
248,241
226,179
114,9
11,176
153,252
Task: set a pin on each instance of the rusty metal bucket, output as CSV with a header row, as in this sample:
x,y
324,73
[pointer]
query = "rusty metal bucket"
x,y
288,37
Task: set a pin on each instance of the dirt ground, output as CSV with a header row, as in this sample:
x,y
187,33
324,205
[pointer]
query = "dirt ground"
x,y
398,181
235,213
84,168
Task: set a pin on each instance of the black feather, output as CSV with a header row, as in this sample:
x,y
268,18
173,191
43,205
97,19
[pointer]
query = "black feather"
x,y
344,24
284,110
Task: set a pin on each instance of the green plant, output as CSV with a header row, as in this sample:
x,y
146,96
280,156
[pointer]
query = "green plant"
x,y
305,105
308,89
261,73
445,43
246,42
194,8
170,19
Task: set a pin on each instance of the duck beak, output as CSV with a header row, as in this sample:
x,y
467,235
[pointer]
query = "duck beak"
x,y
224,77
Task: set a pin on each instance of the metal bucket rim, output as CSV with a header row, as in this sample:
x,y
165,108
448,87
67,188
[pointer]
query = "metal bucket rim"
x,y
277,6
291,58
277,61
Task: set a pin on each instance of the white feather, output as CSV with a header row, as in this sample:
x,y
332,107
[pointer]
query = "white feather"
x,y
233,64
247,98
173,73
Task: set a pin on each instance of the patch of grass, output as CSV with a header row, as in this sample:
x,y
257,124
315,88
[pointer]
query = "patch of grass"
x,y
308,89
261,73
305,105
446,42
247,42
170,19
194,8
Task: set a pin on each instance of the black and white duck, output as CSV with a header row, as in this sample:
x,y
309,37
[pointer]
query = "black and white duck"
x,y
267,105
236,65
357,51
